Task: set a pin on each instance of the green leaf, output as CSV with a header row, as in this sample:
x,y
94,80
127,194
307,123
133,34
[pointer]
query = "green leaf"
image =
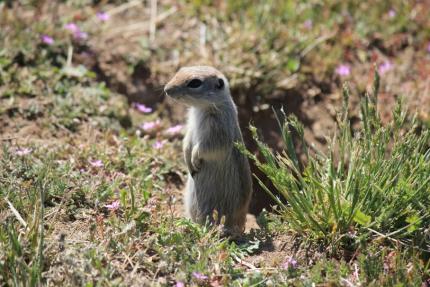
x,y
414,222
293,64
362,218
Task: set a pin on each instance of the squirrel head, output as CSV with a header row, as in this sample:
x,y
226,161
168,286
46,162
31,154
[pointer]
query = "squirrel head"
x,y
198,86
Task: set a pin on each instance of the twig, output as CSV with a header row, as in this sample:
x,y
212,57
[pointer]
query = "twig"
x,y
56,210
9,138
74,241
166,14
242,71
284,83
247,264
129,260
69,56
16,213
123,7
140,27
266,270
202,38
347,282
152,21
283,246
385,236
314,44
135,269
395,240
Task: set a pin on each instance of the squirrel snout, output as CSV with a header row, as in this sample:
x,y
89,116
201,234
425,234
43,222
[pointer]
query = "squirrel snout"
x,y
170,90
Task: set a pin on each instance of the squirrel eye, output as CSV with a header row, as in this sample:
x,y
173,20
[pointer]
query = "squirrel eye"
x,y
220,84
194,83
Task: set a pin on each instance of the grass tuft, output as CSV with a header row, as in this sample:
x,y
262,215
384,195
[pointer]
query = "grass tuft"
x,y
372,183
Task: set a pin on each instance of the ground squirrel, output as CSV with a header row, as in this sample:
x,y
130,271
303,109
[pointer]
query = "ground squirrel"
x,y
219,176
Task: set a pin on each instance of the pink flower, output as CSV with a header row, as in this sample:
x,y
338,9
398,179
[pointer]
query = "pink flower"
x,y
72,27
80,35
199,276
47,39
308,24
291,263
150,125
174,130
159,144
103,16
343,70
179,284
113,206
392,13
77,32
96,163
356,273
23,151
385,67
142,108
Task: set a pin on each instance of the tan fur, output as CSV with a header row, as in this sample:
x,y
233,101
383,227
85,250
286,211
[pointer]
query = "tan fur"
x,y
219,176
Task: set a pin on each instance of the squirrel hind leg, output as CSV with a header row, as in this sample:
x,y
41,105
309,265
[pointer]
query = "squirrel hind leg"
x,y
233,233
235,225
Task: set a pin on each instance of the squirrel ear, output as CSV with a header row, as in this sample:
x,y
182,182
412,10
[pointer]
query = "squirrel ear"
x,y
220,84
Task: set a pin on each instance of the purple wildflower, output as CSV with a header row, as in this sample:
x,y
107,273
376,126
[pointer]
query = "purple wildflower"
x,y
199,276
150,125
291,263
174,130
96,163
103,16
343,70
385,67
23,151
142,108
159,144
113,206
308,24
47,39
392,13
77,32
80,35
72,27
179,284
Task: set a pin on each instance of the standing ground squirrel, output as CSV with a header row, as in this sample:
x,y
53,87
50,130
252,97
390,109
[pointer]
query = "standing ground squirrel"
x,y
219,177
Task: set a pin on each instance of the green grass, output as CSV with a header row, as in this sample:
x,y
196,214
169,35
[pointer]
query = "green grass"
x,y
373,183
374,178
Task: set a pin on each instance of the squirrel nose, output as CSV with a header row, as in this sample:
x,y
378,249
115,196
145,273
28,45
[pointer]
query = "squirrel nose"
x,y
167,89
170,90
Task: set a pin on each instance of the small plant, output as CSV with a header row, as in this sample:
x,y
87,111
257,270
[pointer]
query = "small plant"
x,y
374,181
